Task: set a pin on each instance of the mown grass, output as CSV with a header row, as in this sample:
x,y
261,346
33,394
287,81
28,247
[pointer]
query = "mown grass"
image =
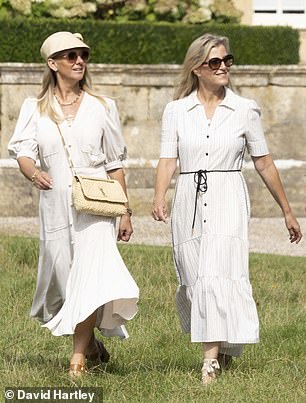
x,y
157,363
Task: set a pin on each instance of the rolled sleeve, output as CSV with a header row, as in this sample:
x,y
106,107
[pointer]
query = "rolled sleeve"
x,y
256,142
25,148
23,142
169,142
113,143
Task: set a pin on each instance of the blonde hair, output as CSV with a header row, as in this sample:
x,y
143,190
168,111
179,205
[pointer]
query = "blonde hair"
x,y
195,56
46,101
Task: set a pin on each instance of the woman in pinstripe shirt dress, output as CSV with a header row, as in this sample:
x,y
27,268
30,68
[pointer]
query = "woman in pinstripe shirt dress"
x,y
208,128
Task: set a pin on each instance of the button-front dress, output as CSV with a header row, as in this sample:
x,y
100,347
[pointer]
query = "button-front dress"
x,y
214,296
80,269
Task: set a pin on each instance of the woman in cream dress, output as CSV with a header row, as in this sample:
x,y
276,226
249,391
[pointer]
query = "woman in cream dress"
x,y
82,280
208,128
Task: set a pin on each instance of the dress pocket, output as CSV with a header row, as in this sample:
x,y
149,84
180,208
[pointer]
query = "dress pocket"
x,y
53,211
49,158
92,157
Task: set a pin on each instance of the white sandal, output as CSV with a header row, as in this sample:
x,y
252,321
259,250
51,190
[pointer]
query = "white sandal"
x,y
210,371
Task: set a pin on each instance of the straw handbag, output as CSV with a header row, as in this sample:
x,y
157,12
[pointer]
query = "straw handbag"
x,y
97,196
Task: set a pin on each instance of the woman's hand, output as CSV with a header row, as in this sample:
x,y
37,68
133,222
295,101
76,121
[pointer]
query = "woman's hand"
x,y
165,170
159,210
267,170
42,181
125,228
295,234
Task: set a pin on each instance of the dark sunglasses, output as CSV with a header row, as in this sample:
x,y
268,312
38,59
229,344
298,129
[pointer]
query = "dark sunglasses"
x,y
73,55
215,62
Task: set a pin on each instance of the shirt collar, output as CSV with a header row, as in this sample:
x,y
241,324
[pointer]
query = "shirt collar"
x,y
192,100
229,100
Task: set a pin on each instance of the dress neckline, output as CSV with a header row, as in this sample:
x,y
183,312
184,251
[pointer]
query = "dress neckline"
x,y
70,120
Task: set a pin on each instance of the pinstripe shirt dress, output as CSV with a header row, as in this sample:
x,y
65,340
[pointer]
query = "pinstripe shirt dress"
x,y
214,296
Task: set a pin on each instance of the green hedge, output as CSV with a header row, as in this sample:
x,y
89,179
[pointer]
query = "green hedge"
x,y
145,43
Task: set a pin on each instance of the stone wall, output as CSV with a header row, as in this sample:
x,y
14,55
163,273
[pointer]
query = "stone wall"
x,y
141,92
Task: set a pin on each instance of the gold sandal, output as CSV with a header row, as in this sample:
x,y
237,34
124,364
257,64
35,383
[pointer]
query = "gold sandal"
x,y
77,370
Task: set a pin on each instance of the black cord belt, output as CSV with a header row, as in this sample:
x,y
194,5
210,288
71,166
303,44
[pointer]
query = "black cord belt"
x,y
200,179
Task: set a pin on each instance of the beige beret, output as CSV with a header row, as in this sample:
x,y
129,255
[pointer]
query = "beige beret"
x,y
61,41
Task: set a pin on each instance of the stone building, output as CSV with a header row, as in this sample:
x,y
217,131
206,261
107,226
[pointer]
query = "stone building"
x,y
276,12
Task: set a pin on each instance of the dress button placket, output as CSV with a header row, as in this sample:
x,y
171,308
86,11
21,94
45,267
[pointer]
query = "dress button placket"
x,y
204,221
207,136
206,154
208,132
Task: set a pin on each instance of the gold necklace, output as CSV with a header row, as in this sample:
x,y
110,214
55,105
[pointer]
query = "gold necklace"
x,y
68,103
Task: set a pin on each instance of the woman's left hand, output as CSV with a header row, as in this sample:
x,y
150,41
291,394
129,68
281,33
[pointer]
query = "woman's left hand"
x,y
295,234
125,228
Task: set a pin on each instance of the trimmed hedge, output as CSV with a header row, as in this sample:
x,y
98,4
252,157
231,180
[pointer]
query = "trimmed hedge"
x,y
144,43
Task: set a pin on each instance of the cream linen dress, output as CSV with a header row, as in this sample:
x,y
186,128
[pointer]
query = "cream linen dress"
x,y
80,268
214,296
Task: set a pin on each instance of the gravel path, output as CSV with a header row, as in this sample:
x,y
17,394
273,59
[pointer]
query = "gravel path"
x,y
267,235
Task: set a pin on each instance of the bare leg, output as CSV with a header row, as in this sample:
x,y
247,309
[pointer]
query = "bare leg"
x,y
91,348
211,368
211,350
81,339
83,334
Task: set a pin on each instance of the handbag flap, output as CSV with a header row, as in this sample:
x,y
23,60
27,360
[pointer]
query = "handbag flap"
x,y
102,189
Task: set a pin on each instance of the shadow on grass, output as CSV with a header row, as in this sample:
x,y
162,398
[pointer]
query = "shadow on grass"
x,y
40,363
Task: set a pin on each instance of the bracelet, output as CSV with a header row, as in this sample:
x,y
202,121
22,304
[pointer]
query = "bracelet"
x,y
129,211
35,175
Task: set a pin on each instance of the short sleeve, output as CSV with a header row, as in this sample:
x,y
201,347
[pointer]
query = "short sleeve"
x,y
113,143
169,143
23,142
256,142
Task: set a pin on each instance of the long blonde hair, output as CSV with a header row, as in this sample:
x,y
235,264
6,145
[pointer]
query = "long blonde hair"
x,y
195,56
46,101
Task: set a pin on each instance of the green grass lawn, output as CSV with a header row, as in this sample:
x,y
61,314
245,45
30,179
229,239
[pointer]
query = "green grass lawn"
x,y
157,363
